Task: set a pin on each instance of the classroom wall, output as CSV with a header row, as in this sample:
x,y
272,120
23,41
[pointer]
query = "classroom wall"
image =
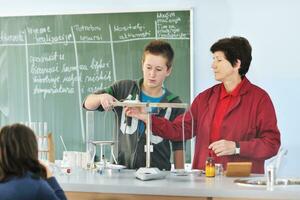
x,y
272,27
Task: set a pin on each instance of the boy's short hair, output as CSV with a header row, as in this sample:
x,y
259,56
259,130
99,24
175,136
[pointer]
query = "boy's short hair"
x,y
159,47
235,48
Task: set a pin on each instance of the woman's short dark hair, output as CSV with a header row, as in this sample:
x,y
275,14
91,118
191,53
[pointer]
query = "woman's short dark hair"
x,y
235,48
159,47
19,152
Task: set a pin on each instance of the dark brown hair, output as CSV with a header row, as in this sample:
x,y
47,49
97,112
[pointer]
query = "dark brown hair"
x,y
159,47
235,48
19,152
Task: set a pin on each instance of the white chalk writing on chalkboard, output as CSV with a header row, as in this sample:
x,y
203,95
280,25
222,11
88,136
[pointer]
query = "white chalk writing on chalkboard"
x,y
57,90
52,76
17,37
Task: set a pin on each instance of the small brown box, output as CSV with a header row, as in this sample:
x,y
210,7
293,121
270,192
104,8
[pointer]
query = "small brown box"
x,y
236,169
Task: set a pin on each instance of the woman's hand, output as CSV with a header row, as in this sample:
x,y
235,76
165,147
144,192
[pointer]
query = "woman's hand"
x,y
223,147
136,112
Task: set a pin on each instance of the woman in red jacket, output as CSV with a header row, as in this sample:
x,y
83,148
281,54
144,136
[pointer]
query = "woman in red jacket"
x,y
234,120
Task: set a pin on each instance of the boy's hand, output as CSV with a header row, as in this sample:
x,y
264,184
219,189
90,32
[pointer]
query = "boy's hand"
x,y
106,101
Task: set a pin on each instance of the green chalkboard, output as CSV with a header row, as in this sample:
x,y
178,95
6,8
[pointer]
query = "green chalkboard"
x,y
49,63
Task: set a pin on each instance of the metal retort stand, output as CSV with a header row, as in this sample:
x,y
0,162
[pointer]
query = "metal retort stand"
x,y
102,144
148,172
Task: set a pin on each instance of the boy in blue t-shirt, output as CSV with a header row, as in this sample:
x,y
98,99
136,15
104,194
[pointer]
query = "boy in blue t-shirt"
x,y
157,66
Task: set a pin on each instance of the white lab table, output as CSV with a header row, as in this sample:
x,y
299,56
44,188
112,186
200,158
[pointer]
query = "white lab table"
x,y
113,184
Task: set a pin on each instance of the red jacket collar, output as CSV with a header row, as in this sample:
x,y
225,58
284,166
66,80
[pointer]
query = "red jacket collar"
x,y
242,90
235,92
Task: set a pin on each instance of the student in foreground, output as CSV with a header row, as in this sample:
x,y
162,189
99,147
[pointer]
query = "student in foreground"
x,y
156,66
234,120
22,176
